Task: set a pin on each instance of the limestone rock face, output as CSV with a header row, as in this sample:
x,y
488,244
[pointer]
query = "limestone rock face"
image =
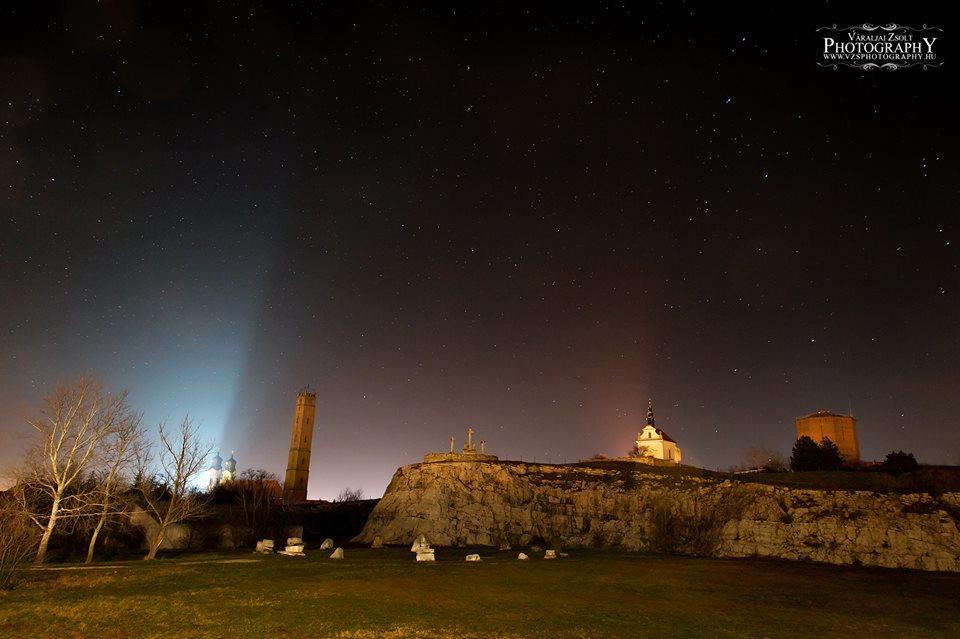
x,y
499,503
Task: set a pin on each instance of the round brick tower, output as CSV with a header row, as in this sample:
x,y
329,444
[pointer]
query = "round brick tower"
x,y
840,429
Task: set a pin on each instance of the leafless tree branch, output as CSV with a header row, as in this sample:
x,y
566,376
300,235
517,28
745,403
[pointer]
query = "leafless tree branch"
x,y
165,482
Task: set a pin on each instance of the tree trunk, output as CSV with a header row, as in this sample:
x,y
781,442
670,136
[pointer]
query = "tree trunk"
x,y
155,544
48,531
93,537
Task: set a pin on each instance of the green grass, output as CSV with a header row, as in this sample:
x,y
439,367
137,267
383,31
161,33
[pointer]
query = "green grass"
x,y
384,593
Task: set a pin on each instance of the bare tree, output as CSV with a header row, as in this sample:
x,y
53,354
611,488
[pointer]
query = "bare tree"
x,y
350,494
258,496
168,494
759,457
639,452
17,541
122,447
72,426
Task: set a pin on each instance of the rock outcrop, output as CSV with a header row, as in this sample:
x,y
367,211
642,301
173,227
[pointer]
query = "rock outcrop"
x,y
489,504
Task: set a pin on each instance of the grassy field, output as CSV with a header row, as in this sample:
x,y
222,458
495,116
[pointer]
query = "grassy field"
x,y
383,593
926,479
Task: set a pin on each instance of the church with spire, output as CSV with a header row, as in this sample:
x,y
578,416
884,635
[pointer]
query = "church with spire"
x,y
654,444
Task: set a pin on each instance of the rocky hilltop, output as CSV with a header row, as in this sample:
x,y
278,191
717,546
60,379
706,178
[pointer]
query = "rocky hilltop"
x,y
635,507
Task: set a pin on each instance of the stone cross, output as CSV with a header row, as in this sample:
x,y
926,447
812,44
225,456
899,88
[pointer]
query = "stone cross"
x,y
483,446
453,442
469,438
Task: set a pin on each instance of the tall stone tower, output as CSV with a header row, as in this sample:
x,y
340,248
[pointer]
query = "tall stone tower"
x,y
298,462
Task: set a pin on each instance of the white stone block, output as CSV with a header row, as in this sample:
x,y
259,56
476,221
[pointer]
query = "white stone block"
x,y
327,544
337,554
523,556
473,557
418,543
425,555
550,554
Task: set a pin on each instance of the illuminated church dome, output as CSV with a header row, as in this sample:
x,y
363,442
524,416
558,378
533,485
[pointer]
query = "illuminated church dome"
x,y
216,470
229,469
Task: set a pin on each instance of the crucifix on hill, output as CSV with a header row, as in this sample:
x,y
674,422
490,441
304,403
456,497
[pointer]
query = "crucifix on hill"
x,y
468,447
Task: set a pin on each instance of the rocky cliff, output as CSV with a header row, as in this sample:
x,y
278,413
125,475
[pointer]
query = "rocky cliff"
x,y
635,507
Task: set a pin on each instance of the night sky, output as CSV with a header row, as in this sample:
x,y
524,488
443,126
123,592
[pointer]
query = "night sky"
x,y
520,220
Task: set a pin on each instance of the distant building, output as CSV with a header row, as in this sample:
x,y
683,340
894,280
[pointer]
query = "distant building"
x,y
653,443
215,471
229,469
221,471
840,429
301,440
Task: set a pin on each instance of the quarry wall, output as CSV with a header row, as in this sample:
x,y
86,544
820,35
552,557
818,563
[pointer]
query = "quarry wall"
x,y
647,508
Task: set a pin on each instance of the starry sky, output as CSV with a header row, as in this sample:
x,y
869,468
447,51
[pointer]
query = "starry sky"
x,y
519,219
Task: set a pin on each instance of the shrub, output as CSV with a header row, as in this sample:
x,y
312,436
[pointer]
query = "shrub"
x,y
639,452
598,538
899,462
350,494
122,538
757,457
537,540
630,479
808,455
698,532
205,535
935,480
830,457
17,542
664,527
